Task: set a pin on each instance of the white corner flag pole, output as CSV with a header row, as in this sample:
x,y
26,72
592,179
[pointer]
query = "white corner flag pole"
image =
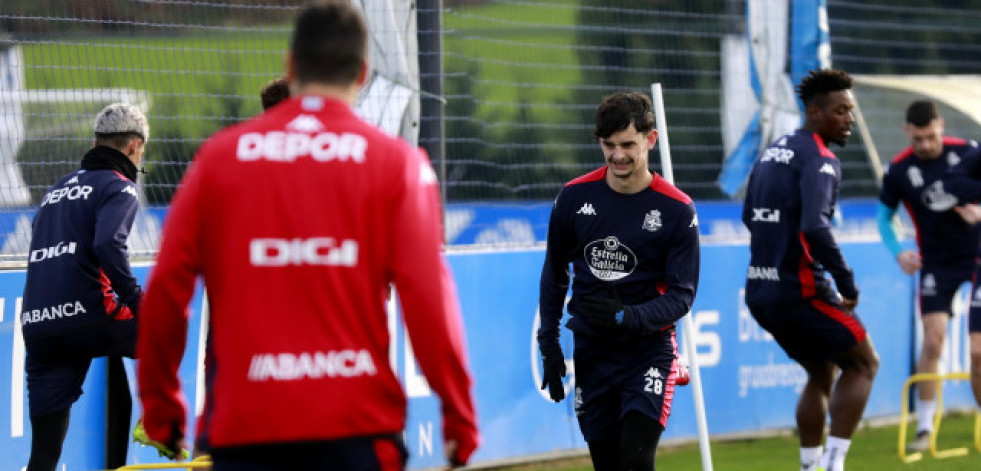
x,y
688,325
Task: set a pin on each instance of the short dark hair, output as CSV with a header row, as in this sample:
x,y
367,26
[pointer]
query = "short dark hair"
x,y
819,83
921,112
618,110
274,92
329,43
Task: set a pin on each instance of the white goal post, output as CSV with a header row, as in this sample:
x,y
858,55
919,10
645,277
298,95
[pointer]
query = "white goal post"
x,y
688,324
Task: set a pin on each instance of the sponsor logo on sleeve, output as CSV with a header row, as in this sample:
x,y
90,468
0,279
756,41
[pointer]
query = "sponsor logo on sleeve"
x,y
45,253
766,215
779,155
58,311
828,169
763,273
70,193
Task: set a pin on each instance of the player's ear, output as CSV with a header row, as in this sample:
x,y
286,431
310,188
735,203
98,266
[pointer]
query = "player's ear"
x,y
363,74
289,72
651,138
908,130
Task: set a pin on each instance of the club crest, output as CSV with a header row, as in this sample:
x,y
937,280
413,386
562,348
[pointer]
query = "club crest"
x,y
652,221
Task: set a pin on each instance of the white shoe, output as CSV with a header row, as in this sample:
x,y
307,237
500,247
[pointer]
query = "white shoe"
x,y
921,443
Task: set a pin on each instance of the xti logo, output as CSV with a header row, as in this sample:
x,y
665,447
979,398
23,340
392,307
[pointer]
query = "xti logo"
x,y
653,381
587,209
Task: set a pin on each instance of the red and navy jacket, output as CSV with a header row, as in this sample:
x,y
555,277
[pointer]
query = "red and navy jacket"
x,y
78,268
298,220
642,248
788,209
942,236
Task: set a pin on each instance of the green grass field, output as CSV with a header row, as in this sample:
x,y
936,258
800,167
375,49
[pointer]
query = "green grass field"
x,y
873,449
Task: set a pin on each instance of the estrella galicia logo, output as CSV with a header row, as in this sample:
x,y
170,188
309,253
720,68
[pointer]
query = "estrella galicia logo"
x,y
609,260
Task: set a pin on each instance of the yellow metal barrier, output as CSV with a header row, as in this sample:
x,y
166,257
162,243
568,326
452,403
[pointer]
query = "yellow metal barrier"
x,y
904,416
201,462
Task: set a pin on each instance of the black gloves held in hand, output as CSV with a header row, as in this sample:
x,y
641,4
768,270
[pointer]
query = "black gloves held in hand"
x,y
553,370
603,312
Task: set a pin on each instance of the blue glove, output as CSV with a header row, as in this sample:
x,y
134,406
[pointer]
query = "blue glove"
x,y
553,370
603,312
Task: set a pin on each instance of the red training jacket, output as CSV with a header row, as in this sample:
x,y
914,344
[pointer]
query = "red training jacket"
x,y
298,220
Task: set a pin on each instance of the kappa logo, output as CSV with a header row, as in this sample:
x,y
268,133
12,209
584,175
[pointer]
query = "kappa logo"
x,y
130,190
654,381
72,181
652,221
827,168
587,209
694,221
305,123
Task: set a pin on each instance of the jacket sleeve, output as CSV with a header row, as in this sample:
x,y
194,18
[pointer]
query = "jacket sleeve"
x,y
819,191
113,223
680,278
554,284
162,334
429,301
964,179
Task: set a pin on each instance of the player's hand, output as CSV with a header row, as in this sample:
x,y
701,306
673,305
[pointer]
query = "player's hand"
x,y
553,370
602,311
970,213
848,304
909,261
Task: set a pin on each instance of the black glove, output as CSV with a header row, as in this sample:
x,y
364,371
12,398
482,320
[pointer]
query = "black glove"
x,y
602,312
553,370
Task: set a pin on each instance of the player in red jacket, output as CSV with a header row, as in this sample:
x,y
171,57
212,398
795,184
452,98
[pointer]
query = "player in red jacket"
x,y
298,220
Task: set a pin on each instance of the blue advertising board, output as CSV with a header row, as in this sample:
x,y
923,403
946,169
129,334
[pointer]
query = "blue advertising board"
x,y
749,383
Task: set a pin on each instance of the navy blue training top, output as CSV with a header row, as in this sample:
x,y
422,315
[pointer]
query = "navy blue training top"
x,y
641,247
789,205
941,234
78,263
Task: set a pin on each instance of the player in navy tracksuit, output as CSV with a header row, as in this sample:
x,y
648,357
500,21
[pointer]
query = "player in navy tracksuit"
x,y
964,182
790,201
632,240
947,245
80,299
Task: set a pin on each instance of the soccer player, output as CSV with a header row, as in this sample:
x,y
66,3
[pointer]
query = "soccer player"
x,y
274,92
947,244
632,240
789,205
81,298
297,220
964,182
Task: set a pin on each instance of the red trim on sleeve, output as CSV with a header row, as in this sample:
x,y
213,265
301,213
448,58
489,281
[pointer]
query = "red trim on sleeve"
x,y
804,273
822,148
669,384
